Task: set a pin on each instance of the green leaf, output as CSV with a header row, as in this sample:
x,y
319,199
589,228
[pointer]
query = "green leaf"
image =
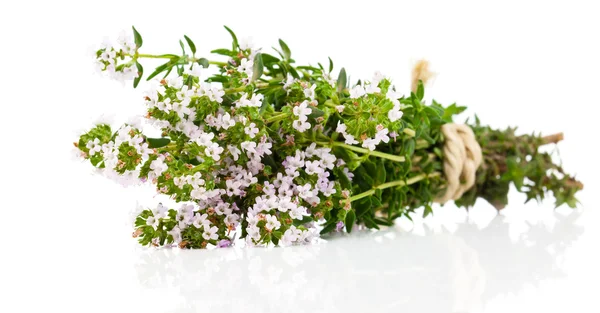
x,y
190,43
328,228
182,46
285,49
258,68
381,221
169,65
269,59
315,113
341,81
218,79
304,220
234,44
158,70
427,210
157,142
420,90
409,147
140,70
137,38
226,52
330,65
375,202
350,219
203,62
294,73
370,223
380,173
362,206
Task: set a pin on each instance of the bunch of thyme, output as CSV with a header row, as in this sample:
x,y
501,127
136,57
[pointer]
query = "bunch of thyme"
x,y
273,152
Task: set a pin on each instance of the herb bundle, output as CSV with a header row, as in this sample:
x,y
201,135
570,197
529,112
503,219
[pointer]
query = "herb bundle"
x,y
272,152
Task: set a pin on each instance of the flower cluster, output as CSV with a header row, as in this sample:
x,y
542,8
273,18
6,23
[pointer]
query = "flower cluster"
x,y
117,59
267,151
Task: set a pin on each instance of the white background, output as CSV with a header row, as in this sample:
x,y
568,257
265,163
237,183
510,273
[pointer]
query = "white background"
x,y
67,244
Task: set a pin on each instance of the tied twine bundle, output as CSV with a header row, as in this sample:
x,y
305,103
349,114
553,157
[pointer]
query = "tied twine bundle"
x,y
462,153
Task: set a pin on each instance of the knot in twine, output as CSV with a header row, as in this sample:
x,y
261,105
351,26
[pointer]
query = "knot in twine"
x,y
462,153
462,157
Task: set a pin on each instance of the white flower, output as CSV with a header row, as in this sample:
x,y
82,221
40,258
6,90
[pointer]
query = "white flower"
x,y
382,134
199,193
216,94
249,146
393,96
225,121
300,125
165,105
195,70
341,128
311,150
246,67
264,148
175,233
289,81
272,222
377,77
357,92
370,143
286,204
159,211
302,109
210,233
257,100
175,82
248,179
372,88
305,191
395,114
340,108
328,160
205,139
232,219
179,181
201,221
253,232
295,161
158,166
350,139
298,213
290,236
251,130
214,151
235,152
327,188
246,43
108,56
313,167
310,92
94,146
151,221
233,187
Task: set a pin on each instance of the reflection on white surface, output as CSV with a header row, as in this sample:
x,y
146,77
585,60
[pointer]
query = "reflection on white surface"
x,y
417,271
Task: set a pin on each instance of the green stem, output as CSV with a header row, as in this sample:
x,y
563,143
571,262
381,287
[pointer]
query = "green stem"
x,y
409,132
421,144
242,88
379,154
277,117
396,183
189,59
